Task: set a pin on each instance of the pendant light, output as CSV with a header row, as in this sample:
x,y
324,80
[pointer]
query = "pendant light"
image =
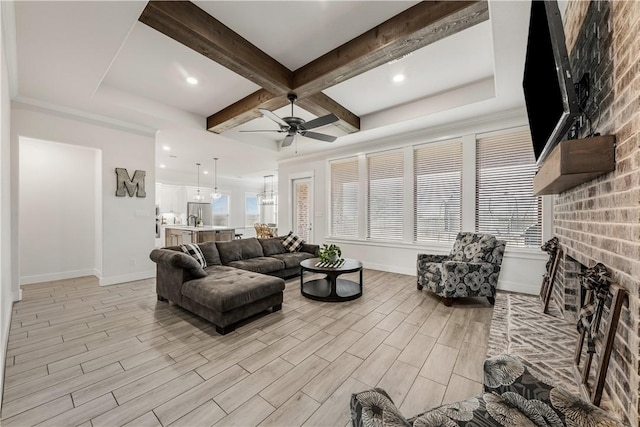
x,y
199,197
267,197
215,195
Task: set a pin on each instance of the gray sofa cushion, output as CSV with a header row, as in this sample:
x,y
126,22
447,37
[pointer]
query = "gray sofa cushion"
x,y
210,252
293,259
272,246
177,259
259,265
236,250
227,288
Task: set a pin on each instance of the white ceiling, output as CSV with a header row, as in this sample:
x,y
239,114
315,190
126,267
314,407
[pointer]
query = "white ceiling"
x,y
96,58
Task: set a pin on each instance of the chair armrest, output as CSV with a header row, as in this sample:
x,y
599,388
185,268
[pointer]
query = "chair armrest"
x,y
310,248
504,374
432,258
375,407
177,260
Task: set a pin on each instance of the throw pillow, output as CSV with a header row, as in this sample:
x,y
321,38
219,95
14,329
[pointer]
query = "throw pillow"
x,y
194,250
292,243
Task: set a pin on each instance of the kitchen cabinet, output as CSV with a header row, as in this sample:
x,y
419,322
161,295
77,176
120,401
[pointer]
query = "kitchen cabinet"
x,y
172,199
180,235
176,237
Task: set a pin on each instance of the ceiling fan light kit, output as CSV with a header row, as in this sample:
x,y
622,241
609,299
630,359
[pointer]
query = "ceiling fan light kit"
x,y
293,126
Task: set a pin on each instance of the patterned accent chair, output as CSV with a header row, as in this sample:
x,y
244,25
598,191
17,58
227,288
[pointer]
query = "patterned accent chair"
x,y
470,270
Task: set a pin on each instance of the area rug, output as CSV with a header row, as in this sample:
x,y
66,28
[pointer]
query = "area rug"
x,y
545,341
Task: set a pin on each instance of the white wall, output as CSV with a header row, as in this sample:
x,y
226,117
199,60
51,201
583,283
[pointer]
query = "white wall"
x,y
522,268
58,213
128,223
6,292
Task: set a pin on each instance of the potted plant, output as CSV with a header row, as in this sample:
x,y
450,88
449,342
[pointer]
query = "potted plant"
x,y
329,253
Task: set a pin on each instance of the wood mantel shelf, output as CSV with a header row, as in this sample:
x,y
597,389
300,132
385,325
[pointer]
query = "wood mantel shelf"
x,y
574,162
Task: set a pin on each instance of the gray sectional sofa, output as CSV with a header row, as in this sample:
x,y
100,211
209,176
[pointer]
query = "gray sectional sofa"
x,y
242,278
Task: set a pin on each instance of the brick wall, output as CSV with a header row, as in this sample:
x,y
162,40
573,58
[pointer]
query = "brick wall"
x,y
599,221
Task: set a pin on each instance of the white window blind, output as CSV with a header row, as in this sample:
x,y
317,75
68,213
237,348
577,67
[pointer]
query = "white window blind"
x,y
505,204
344,198
385,193
437,191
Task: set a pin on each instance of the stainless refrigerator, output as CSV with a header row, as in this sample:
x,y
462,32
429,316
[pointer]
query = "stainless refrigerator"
x,y
203,211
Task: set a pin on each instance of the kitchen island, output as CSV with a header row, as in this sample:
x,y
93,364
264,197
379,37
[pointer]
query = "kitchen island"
x,y
180,234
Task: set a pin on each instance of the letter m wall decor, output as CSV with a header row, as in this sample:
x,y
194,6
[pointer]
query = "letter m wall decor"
x,y
133,185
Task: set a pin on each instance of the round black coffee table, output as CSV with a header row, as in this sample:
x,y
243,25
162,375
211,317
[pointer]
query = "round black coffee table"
x,y
331,288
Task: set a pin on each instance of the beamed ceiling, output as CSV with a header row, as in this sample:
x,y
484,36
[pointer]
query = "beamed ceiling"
x,y
126,63
412,29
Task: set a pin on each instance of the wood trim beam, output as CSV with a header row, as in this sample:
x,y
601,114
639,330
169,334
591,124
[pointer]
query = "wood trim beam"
x,y
320,104
416,27
244,110
186,23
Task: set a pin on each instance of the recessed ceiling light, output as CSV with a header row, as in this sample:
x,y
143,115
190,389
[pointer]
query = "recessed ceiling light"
x,y
206,172
192,80
398,78
166,148
162,166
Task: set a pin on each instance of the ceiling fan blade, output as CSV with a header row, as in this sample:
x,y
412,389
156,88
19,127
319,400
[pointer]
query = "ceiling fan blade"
x,y
320,136
268,114
320,121
265,130
288,140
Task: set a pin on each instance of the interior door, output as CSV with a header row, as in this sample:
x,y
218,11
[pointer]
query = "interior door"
x,y
302,208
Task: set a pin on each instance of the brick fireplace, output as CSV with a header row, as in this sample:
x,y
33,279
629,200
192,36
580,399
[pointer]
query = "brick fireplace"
x,y
599,221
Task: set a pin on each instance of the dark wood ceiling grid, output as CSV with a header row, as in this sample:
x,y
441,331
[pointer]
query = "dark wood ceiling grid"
x,y
416,27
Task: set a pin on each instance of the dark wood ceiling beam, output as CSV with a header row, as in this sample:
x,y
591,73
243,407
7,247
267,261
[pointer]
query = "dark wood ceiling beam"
x,y
416,27
320,104
244,110
186,23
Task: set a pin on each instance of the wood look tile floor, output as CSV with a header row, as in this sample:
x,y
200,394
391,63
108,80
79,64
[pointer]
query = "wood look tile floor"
x,y
81,354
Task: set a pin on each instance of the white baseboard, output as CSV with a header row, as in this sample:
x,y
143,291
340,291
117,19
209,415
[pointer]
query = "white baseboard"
x,y
17,295
123,278
522,288
503,285
390,268
72,274
4,333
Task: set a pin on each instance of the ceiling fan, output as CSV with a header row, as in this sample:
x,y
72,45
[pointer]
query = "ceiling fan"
x,y
293,126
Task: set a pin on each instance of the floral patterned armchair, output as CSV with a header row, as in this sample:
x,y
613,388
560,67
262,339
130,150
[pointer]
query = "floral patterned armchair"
x,y
513,397
470,270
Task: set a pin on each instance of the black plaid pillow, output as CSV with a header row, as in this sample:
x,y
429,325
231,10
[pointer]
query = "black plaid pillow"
x,y
194,250
292,243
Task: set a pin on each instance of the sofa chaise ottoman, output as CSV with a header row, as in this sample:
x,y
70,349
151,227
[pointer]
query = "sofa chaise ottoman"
x,y
241,278
223,295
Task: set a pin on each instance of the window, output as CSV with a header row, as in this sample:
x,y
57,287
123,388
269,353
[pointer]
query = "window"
x,y
251,210
344,198
437,191
221,211
505,204
385,173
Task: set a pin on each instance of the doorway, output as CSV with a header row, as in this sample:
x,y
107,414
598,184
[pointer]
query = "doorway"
x,y
302,208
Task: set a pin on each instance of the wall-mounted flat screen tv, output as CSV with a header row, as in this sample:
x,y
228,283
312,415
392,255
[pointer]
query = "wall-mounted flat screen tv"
x,y
549,93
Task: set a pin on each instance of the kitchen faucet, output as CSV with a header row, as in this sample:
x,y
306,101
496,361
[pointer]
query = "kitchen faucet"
x,y
195,219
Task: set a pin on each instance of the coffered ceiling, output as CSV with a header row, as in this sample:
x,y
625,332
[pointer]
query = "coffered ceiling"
x,y
99,58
